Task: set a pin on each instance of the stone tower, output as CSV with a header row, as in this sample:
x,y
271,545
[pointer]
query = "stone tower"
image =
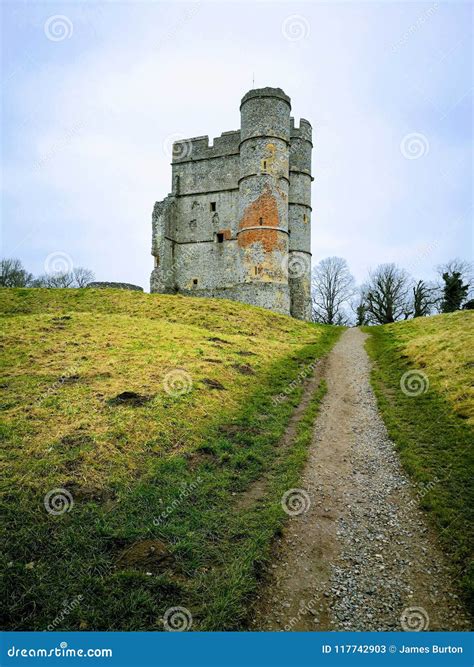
x,y
237,223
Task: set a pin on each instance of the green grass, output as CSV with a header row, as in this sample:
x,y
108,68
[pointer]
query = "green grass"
x,y
433,430
67,354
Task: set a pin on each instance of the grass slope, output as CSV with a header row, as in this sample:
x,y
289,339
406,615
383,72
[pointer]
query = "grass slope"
x,y
433,430
154,523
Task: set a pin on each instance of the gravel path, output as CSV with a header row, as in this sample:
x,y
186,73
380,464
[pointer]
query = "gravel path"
x,y
362,557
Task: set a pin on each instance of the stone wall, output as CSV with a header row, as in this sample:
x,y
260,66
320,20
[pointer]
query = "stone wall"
x,y
237,221
105,285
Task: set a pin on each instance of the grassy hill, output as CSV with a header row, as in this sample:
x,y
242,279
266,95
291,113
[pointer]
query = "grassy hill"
x,y
133,424
423,378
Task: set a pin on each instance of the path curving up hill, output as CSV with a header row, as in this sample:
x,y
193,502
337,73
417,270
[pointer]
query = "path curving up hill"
x,y
362,557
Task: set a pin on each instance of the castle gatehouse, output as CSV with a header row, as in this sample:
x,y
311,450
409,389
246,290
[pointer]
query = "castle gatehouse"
x,y
237,223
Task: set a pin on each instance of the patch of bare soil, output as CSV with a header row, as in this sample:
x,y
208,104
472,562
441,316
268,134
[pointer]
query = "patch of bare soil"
x,y
146,555
130,398
244,369
362,557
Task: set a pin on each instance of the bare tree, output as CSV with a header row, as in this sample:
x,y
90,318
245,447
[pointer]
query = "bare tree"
x,y
79,277
461,266
83,276
332,287
12,274
388,294
41,281
57,279
62,279
425,297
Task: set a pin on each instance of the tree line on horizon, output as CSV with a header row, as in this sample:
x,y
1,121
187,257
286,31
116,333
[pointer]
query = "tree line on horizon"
x,y
13,274
389,294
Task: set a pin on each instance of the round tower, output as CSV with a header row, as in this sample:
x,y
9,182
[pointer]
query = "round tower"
x,y
262,234
299,214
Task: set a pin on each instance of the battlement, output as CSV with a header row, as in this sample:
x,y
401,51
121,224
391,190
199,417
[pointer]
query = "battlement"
x,y
304,131
198,148
239,214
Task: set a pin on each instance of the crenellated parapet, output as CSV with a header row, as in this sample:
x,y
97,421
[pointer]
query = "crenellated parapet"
x,y
237,223
198,148
304,131
301,146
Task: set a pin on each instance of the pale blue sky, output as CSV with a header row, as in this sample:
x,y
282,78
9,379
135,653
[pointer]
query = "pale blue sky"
x,y
88,115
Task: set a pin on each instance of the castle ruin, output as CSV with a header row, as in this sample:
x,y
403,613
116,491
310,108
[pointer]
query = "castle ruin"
x,y
237,223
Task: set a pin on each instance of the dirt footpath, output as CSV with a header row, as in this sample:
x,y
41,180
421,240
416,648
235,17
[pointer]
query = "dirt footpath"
x,y
362,557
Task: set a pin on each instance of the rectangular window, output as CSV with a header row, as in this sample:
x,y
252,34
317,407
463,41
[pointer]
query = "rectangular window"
x,y
213,206
195,281
261,221
220,237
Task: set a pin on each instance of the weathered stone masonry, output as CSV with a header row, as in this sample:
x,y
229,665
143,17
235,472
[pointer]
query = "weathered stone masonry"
x,y
237,223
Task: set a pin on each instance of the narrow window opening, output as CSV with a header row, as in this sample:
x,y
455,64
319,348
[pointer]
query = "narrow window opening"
x,y
305,218
195,281
260,221
264,164
213,206
220,237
